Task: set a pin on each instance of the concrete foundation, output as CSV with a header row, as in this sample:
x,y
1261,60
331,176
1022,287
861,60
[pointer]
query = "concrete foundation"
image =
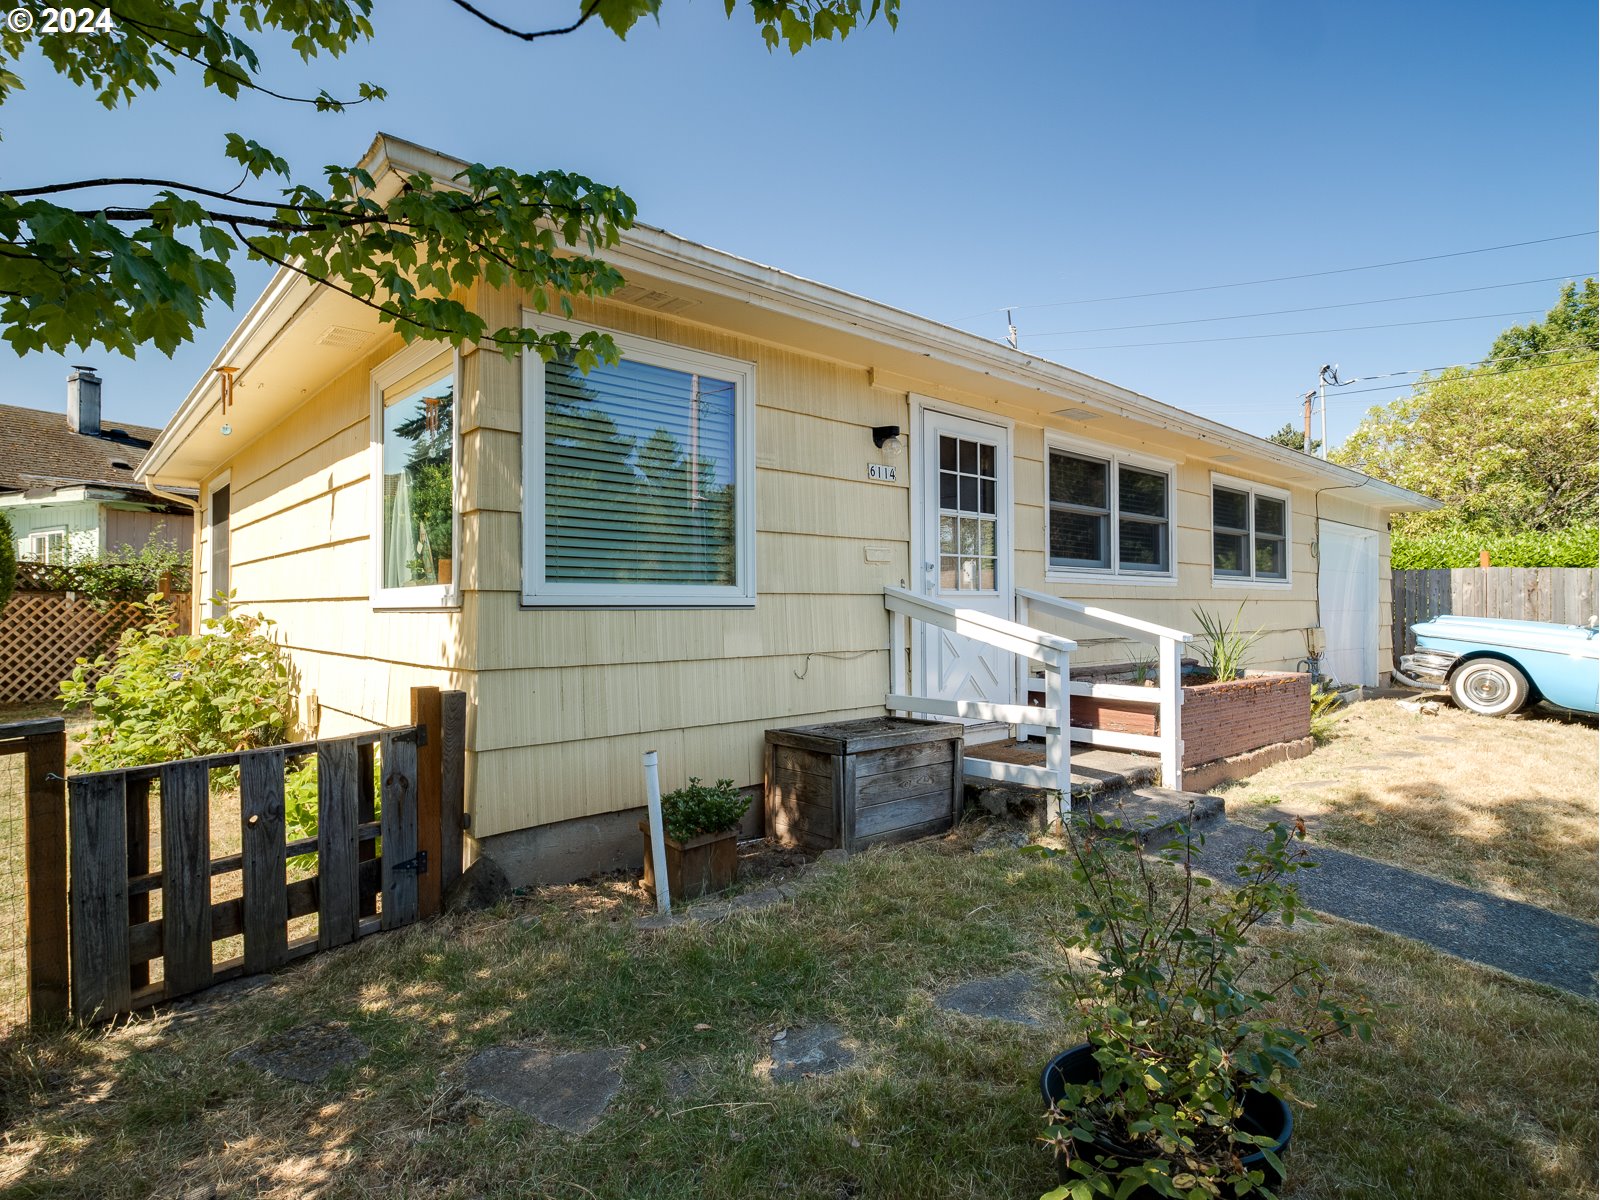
x,y
1241,766
584,846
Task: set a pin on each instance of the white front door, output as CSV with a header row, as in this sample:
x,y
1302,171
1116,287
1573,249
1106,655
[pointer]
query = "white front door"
x,y
963,548
1347,593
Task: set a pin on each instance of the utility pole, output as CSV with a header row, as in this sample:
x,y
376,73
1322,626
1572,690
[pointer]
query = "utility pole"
x,y
1305,407
1327,376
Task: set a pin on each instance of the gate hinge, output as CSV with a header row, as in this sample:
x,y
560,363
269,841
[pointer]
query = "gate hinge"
x,y
419,864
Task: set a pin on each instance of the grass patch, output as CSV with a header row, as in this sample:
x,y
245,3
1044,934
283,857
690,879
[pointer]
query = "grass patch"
x,y
1476,1085
1505,806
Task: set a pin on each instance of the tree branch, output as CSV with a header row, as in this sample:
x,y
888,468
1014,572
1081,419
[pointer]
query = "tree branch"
x,y
589,10
227,69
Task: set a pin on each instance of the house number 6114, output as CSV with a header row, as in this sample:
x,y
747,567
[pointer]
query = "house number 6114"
x,y
882,472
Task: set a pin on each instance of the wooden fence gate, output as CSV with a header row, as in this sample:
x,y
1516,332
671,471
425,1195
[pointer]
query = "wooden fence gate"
x,y
385,853
1565,595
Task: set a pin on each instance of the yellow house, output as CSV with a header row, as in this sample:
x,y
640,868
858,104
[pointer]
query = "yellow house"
x,y
692,547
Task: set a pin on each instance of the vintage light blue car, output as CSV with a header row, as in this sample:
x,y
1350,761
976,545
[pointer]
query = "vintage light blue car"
x,y
1495,666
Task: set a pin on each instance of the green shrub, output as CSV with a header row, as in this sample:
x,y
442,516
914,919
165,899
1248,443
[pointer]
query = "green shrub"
x,y
696,809
161,696
8,560
122,574
1325,706
1458,546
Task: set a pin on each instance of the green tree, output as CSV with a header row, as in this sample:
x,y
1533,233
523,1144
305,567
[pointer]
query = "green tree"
x,y
1508,446
123,262
1293,438
1571,325
8,560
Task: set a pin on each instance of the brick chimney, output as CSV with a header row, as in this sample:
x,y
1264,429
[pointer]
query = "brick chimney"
x,y
83,401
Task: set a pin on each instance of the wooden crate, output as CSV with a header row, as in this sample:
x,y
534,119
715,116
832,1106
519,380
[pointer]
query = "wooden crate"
x,y
853,784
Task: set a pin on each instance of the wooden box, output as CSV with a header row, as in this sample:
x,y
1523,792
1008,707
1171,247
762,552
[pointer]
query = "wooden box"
x,y
853,784
698,867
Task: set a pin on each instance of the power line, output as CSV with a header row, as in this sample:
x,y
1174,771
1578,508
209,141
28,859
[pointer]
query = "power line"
x,y
1584,356
1214,287
1429,383
1250,337
1279,312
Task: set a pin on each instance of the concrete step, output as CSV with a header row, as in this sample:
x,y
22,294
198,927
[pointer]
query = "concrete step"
x,y
1155,812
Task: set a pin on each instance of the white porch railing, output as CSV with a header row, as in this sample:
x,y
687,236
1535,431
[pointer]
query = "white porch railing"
x,y
1050,651
1166,697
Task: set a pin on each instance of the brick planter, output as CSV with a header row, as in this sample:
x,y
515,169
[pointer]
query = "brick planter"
x,y
1221,720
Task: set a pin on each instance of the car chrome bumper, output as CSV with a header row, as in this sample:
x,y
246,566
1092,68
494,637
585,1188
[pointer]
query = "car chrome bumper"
x,y
1428,668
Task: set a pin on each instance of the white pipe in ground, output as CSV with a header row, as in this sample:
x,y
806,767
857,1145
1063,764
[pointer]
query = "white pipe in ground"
x,y
658,833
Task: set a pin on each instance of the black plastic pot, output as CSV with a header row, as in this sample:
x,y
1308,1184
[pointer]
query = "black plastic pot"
x,y
1264,1114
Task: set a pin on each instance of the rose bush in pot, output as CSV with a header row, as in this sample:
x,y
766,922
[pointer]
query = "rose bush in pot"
x,y
1194,1020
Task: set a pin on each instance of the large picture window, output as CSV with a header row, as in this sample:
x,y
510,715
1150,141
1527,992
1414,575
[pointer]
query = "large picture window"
x,y
1249,532
638,488
1108,515
414,453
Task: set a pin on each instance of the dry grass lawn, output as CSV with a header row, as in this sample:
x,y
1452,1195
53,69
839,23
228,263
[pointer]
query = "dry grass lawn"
x,y
1475,1085
1506,806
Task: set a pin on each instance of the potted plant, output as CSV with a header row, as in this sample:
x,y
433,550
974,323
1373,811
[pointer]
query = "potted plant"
x,y
1226,645
1193,1023
702,828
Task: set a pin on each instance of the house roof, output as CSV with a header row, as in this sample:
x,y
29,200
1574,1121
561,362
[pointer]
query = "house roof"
x,y
40,452
900,349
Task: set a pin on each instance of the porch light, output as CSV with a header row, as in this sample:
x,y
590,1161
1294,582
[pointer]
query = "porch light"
x,y
887,438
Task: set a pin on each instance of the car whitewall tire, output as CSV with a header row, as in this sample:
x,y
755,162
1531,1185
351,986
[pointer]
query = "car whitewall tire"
x,y
1489,686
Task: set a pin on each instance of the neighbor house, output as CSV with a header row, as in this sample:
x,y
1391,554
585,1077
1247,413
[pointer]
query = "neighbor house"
x,y
691,547
68,481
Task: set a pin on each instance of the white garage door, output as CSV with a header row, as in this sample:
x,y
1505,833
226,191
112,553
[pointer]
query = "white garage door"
x,y
1347,590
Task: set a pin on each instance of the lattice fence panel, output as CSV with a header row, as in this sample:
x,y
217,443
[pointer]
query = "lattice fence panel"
x,y
42,634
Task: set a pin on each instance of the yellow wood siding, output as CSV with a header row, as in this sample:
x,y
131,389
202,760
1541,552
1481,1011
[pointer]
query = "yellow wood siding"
x,y
563,701
569,698
300,539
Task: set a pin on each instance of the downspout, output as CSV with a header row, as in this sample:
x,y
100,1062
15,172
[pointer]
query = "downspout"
x,y
194,541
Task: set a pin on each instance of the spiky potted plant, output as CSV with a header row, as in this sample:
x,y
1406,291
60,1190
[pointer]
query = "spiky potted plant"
x,y
701,823
1195,1020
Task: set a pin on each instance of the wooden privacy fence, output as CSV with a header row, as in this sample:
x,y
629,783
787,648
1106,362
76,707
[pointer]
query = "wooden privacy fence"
x,y
1565,595
385,853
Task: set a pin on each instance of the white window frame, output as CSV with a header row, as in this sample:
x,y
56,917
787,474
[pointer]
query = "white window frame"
x,y
386,374
536,590
1252,489
1116,458
45,535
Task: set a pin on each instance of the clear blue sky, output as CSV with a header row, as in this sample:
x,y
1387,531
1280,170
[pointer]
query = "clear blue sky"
x,y
983,156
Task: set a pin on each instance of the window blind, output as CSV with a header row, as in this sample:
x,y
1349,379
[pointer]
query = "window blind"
x,y
639,475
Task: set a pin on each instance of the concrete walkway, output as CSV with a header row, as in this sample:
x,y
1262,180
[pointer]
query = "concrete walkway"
x,y
1520,939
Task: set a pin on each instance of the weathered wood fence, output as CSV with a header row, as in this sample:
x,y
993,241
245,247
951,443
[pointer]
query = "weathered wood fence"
x,y
42,745
385,853
1565,595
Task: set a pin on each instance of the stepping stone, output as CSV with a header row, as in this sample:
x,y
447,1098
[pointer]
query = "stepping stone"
x,y
1436,737
1309,785
1014,996
807,1051
570,1092
304,1054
